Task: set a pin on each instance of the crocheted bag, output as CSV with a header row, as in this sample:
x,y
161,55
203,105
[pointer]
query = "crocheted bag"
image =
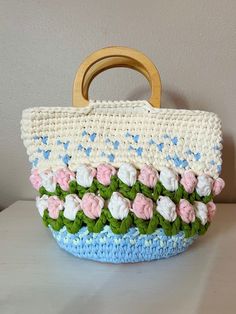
x,y
123,181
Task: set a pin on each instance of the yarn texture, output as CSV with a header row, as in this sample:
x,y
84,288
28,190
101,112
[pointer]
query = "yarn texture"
x,y
129,248
122,181
120,132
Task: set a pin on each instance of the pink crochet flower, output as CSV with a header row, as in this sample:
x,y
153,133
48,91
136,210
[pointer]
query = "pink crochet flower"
x,y
186,211
189,181
142,207
54,206
148,176
211,208
218,186
63,178
104,173
92,205
35,179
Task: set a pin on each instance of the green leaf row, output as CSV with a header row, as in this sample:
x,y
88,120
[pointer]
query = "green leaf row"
x,y
122,226
129,192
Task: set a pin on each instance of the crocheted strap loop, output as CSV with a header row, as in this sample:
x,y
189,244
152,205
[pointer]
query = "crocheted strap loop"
x,y
112,57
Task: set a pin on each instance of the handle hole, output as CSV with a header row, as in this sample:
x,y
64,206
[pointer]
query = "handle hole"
x,y
119,83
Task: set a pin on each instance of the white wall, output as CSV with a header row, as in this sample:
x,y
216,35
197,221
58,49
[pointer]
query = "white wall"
x,y
193,44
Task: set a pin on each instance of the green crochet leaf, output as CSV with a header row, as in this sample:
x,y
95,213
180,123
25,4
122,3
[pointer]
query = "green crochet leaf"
x,y
157,191
56,224
43,191
146,190
176,226
45,218
60,193
186,228
106,191
89,222
185,194
141,224
153,224
126,224
192,197
76,225
178,194
203,229
118,226
171,195
207,199
197,197
127,191
195,226
82,190
73,187
100,223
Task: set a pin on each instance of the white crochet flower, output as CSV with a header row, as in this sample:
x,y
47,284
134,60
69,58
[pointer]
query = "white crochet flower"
x,y
72,205
204,185
201,211
169,179
85,175
48,180
42,204
119,206
127,174
166,208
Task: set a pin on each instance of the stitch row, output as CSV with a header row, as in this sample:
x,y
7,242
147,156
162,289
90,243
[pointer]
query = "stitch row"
x,y
173,138
122,227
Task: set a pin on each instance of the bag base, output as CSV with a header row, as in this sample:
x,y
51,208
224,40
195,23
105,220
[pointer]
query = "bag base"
x,y
131,247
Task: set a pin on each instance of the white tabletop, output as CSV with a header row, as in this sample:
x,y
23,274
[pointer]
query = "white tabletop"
x,y
36,276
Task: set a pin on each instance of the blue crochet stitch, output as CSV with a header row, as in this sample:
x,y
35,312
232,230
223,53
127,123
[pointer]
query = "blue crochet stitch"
x,y
121,248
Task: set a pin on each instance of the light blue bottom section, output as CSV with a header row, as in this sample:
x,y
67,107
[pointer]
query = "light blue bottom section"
x,y
122,248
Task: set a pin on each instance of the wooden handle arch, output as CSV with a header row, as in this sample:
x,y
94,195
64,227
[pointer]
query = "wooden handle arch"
x,y
112,57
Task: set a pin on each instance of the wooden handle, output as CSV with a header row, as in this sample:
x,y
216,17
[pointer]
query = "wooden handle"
x,y
112,57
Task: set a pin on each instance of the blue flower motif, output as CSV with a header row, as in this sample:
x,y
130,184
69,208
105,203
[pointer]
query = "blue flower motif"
x,y
180,163
197,156
111,157
92,137
160,146
44,139
66,144
116,144
84,133
66,158
174,140
46,154
139,151
88,151
135,137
